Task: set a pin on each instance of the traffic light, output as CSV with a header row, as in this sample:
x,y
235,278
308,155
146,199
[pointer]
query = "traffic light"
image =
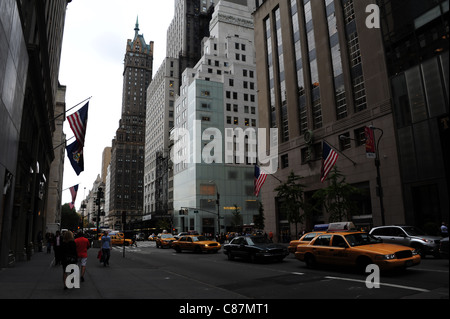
x,y
100,193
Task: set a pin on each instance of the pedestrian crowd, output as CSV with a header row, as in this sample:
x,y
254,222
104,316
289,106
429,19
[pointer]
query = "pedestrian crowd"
x,y
70,249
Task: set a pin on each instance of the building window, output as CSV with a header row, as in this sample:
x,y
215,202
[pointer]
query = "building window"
x,y
284,161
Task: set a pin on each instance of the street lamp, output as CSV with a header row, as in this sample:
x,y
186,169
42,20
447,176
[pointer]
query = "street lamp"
x,y
379,189
377,165
218,206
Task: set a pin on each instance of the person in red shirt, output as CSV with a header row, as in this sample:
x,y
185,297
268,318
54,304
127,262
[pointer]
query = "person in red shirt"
x,y
83,245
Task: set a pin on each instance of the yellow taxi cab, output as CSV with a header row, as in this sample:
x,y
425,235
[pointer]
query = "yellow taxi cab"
x,y
355,248
196,243
164,240
304,240
117,238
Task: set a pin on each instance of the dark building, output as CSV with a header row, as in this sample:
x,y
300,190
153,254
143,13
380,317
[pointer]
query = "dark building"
x,y
128,147
416,39
187,30
322,77
31,35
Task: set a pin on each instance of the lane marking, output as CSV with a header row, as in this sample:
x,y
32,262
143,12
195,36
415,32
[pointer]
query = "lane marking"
x,y
383,284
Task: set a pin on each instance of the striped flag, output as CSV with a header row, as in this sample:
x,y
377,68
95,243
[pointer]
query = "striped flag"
x,y
260,178
78,124
73,191
329,158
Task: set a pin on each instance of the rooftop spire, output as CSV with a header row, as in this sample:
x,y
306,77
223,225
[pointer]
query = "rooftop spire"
x,y
136,28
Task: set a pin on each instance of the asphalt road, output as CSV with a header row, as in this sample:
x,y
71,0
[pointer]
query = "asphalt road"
x,y
289,279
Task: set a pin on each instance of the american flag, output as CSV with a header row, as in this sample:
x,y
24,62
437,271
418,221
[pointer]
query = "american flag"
x,y
260,178
73,191
78,124
329,158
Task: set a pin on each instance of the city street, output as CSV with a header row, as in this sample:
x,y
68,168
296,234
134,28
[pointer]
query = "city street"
x,y
286,280
189,283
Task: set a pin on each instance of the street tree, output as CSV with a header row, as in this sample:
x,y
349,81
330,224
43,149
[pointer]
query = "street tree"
x,y
292,201
69,218
259,219
337,198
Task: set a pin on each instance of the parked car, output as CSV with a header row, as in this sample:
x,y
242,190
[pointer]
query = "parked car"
x,y
195,243
164,240
356,249
409,236
254,248
304,240
443,248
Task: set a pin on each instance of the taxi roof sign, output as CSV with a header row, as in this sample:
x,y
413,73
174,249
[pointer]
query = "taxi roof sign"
x,y
341,226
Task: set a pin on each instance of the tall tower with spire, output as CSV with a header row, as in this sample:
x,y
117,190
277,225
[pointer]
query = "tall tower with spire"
x,y
128,147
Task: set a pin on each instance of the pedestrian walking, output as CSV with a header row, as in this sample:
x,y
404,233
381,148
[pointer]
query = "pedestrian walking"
x,y
83,245
444,230
133,241
69,254
106,248
50,238
271,236
57,247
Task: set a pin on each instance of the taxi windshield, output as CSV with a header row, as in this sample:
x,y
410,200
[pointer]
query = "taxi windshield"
x,y
167,236
359,239
199,238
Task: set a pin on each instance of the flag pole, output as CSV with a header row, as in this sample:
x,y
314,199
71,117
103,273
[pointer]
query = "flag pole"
x,y
354,163
72,108
63,142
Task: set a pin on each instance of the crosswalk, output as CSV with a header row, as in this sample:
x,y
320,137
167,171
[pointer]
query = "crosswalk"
x,y
139,246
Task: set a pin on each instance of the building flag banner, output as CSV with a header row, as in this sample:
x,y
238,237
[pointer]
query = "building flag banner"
x,y
78,124
75,155
370,143
260,178
73,191
329,158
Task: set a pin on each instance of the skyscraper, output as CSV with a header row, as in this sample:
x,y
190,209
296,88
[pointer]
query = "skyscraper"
x,y
128,146
416,35
189,26
322,76
214,188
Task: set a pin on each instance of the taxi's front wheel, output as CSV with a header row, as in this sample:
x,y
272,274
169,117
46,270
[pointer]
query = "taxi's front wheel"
x,y
310,261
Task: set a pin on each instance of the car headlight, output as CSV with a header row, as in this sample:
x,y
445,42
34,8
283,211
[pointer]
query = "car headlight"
x,y
386,257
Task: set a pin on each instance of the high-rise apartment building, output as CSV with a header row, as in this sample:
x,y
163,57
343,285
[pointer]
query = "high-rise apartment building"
x,y
212,188
322,77
189,26
128,147
161,97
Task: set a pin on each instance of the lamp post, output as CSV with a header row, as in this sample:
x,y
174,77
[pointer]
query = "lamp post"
x,y
379,189
218,206
377,165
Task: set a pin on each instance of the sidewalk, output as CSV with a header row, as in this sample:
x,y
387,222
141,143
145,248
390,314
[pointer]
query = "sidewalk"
x,y
125,278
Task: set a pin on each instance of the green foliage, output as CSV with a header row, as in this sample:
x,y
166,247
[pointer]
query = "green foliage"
x,y
292,201
259,219
237,218
337,198
69,218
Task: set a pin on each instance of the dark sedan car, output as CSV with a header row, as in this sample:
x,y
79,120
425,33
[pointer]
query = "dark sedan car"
x,y
254,248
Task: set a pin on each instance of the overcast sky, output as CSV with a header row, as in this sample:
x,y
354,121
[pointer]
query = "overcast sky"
x,y
94,44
